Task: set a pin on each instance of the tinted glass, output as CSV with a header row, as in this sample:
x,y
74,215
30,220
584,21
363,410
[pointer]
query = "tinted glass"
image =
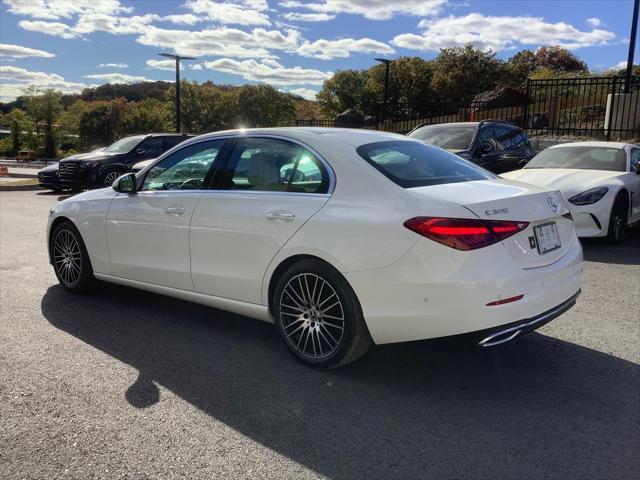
x,y
185,169
169,142
587,158
635,158
274,165
450,137
152,146
124,145
413,164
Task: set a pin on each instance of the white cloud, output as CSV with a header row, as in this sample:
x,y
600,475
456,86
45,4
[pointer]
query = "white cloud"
x,y
113,65
305,93
56,29
620,65
308,17
197,66
229,42
56,9
594,22
184,19
241,12
18,51
16,80
371,9
328,49
269,71
114,25
118,78
498,33
164,64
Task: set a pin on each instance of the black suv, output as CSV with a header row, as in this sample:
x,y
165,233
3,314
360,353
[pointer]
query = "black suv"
x,y
497,146
103,167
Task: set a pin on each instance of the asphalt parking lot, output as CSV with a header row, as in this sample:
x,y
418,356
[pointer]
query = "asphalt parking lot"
x,y
126,384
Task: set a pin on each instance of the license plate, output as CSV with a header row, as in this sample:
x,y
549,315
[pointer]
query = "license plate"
x,y
547,237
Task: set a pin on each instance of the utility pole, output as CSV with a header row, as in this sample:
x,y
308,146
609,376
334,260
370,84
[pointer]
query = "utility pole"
x,y
177,59
386,85
632,45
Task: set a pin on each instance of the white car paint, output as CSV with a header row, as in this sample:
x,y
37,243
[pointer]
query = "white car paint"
x,y
572,182
223,251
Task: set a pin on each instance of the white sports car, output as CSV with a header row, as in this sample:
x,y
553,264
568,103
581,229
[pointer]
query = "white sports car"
x,y
601,181
343,238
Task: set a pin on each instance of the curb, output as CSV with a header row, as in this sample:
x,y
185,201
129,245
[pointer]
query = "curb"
x,y
20,186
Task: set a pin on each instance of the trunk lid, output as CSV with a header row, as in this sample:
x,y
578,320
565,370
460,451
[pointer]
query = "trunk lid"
x,y
502,199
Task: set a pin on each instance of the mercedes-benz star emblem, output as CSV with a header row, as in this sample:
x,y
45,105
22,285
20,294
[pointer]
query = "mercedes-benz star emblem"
x,y
553,204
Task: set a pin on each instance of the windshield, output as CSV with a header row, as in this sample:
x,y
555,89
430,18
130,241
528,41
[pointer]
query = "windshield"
x,y
414,164
449,137
587,158
124,146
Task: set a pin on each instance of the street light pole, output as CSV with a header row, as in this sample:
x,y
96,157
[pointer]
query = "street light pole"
x,y
632,45
386,86
177,59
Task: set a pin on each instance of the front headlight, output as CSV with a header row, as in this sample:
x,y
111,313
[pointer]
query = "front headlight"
x,y
589,197
90,163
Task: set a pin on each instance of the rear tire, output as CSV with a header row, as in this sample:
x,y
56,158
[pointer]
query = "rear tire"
x,y
618,220
71,262
318,315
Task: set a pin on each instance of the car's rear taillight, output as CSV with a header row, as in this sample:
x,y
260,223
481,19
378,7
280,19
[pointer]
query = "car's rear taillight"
x,y
464,233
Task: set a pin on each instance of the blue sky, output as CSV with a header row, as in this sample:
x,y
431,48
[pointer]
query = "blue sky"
x,y
291,44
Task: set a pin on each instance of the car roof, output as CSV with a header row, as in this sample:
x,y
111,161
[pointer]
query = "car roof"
x,y
616,145
350,136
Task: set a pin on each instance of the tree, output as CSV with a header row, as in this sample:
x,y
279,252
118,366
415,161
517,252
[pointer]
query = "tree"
x,y
559,60
264,106
20,124
520,67
147,116
345,90
44,107
462,72
102,123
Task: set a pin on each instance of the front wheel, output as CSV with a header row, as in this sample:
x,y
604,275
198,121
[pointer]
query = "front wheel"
x,y
319,317
618,221
70,258
109,177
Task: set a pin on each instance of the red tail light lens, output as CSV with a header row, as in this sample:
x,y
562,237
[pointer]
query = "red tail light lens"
x,y
464,233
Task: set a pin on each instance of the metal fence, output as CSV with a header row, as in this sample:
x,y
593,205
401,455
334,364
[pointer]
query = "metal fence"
x,y
595,107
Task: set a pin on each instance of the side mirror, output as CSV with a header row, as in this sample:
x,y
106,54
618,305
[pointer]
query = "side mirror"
x,y
126,183
485,148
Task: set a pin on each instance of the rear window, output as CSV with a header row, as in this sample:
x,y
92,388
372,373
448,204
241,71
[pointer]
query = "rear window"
x,y
415,164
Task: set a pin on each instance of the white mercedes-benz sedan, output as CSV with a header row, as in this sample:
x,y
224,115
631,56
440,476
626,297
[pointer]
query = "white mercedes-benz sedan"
x,y
601,181
342,238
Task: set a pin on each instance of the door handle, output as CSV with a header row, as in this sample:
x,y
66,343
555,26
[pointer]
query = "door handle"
x,y
174,210
278,215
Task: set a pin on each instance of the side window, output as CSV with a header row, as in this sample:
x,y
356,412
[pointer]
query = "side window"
x,y
488,136
185,169
152,147
273,165
169,142
635,158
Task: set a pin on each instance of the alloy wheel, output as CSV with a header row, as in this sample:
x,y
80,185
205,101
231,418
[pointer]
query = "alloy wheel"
x,y
67,257
110,177
312,316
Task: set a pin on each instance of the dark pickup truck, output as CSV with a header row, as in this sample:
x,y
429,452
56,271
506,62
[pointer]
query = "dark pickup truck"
x,y
102,167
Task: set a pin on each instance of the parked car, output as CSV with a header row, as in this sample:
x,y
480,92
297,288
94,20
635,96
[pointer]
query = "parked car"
x,y
379,238
104,167
494,145
49,176
601,180
142,165
25,156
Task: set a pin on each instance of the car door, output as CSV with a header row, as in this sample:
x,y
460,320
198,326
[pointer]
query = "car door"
x,y
634,184
148,231
267,190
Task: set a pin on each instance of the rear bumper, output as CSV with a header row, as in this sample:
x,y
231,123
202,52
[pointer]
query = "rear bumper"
x,y
434,291
506,333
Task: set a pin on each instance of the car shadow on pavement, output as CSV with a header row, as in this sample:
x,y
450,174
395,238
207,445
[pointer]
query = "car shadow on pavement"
x,y
538,407
626,252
